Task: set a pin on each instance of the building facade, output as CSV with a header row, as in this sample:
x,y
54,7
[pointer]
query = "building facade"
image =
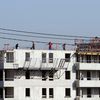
x,y
37,75
50,74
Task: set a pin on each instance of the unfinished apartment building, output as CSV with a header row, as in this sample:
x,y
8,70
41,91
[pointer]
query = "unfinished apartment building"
x,y
88,69
27,74
36,74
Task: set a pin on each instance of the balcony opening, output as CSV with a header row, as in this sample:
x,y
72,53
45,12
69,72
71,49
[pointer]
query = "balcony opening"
x,y
77,92
9,92
27,74
43,57
67,92
9,75
88,75
95,59
27,56
27,92
99,58
89,92
50,57
77,74
67,74
9,57
51,93
1,92
82,58
44,75
44,93
88,58
67,57
1,75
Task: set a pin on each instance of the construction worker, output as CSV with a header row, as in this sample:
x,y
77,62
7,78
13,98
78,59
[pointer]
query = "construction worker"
x,y
33,45
64,46
50,45
17,46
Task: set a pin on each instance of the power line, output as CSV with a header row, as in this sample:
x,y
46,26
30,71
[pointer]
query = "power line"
x,y
32,41
22,31
15,39
35,36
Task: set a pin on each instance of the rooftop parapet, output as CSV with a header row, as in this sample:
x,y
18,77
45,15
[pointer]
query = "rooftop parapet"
x,y
66,47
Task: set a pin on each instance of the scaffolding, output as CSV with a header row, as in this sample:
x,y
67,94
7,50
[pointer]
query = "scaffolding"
x,y
87,51
88,46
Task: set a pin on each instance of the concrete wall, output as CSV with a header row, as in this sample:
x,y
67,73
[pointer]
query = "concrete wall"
x,y
35,83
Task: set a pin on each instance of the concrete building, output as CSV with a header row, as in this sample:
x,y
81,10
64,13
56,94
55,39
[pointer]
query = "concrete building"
x,y
88,69
51,74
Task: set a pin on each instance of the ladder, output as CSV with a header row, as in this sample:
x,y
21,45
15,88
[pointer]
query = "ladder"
x,y
59,66
27,64
61,63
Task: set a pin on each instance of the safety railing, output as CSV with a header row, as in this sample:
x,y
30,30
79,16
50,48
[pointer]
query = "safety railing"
x,y
89,78
50,96
44,63
9,79
9,60
89,61
44,96
9,96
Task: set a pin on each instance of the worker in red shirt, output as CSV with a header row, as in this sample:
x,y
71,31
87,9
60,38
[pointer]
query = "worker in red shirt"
x,y
50,45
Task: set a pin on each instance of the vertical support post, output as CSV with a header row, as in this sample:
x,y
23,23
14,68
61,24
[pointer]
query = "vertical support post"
x,y
96,74
3,93
3,83
5,57
56,46
3,75
81,92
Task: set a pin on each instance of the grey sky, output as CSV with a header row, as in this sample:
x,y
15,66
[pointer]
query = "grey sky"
x,y
70,17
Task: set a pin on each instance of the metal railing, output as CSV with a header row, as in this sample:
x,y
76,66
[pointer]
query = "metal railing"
x,y
51,96
9,96
43,63
89,61
9,79
9,60
90,78
44,96
40,63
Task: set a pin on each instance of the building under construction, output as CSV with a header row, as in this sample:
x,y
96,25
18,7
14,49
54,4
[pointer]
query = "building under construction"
x,y
30,74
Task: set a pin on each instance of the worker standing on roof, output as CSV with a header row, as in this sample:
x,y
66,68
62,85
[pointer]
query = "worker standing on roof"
x,y
17,46
50,45
64,46
33,45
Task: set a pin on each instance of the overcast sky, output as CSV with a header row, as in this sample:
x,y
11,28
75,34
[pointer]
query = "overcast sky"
x,y
69,17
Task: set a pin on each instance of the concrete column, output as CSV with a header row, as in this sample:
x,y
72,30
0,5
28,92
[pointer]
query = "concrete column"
x,y
3,93
3,83
81,92
3,75
96,76
4,57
